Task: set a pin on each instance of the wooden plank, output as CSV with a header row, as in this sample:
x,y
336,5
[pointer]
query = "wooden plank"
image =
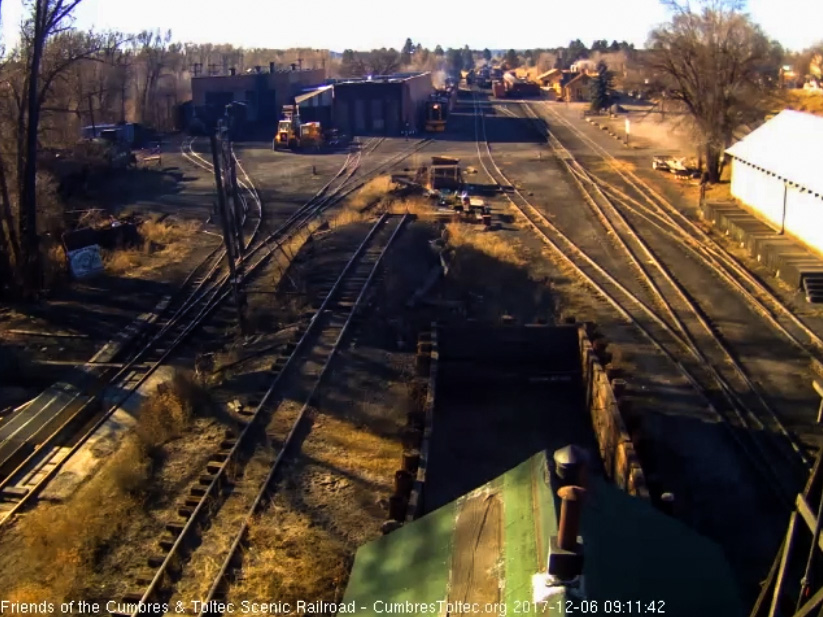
x,y
47,334
768,584
811,604
809,517
787,551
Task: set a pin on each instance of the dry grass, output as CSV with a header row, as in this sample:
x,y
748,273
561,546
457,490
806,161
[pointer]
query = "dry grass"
x,y
370,193
55,266
461,236
294,559
163,241
75,533
413,205
357,450
346,217
802,100
169,410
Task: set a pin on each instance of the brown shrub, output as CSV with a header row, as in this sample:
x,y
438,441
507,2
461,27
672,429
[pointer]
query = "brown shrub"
x,y
370,193
293,559
165,414
461,235
62,542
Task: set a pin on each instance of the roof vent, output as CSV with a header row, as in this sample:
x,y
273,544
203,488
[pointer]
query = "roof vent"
x,y
570,465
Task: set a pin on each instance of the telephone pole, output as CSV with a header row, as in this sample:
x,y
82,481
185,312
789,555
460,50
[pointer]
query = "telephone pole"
x,y
231,248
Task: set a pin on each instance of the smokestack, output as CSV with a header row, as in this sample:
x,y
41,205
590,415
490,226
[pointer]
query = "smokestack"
x,y
231,71
271,67
570,510
565,562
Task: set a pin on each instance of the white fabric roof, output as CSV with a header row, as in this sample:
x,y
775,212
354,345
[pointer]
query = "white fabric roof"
x,y
790,145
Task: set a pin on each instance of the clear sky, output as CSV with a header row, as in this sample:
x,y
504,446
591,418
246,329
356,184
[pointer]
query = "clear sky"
x,y
366,24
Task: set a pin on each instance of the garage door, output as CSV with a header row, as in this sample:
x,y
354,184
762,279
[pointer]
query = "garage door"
x,y
359,116
378,122
393,117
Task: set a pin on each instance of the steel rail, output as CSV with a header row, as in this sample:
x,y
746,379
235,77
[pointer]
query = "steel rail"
x,y
194,519
264,492
708,246
575,169
766,471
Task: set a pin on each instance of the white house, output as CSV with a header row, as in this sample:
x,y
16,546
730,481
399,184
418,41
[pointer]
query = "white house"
x,y
777,173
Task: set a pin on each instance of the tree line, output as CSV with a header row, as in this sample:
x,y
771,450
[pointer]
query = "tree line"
x,y
57,79
709,58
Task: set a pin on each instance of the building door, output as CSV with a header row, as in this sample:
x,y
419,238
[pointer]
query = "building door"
x,y
393,125
378,121
342,116
359,116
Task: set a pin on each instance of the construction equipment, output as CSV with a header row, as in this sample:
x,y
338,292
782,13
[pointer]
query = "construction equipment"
x,y
294,134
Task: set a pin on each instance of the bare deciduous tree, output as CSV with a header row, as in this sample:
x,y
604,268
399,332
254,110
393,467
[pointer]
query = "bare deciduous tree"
x,y
717,64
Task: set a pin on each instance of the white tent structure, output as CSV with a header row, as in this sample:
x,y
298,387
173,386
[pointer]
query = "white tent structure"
x,y
777,173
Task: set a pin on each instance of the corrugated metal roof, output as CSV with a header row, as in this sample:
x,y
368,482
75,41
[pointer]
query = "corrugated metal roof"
x,y
790,146
304,97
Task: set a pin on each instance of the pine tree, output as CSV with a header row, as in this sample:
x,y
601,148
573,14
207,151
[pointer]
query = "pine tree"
x,y
406,52
601,88
468,58
487,55
512,60
438,51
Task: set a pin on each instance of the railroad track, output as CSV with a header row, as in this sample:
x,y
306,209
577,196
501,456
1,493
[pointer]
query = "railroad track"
x,y
239,480
682,336
649,208
700,336
657,211
209,287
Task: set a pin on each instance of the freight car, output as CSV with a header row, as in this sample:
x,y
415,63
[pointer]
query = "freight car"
x,y
519,87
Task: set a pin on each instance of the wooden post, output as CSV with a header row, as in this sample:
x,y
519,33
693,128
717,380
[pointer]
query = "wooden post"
x,y
784,561
227,236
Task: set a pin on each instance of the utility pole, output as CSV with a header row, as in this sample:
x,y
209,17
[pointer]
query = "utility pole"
x,y
227,235
91,115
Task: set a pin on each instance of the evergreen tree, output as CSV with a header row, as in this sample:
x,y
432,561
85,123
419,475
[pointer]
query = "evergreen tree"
x,y
406,52
487,55
454,58
438,51
468,58
512,60
601,88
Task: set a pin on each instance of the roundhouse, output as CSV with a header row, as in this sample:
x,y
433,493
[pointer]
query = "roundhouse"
x,y
382,105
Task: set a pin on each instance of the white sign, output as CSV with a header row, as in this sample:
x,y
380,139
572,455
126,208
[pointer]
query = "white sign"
x,y
86,261
627,126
